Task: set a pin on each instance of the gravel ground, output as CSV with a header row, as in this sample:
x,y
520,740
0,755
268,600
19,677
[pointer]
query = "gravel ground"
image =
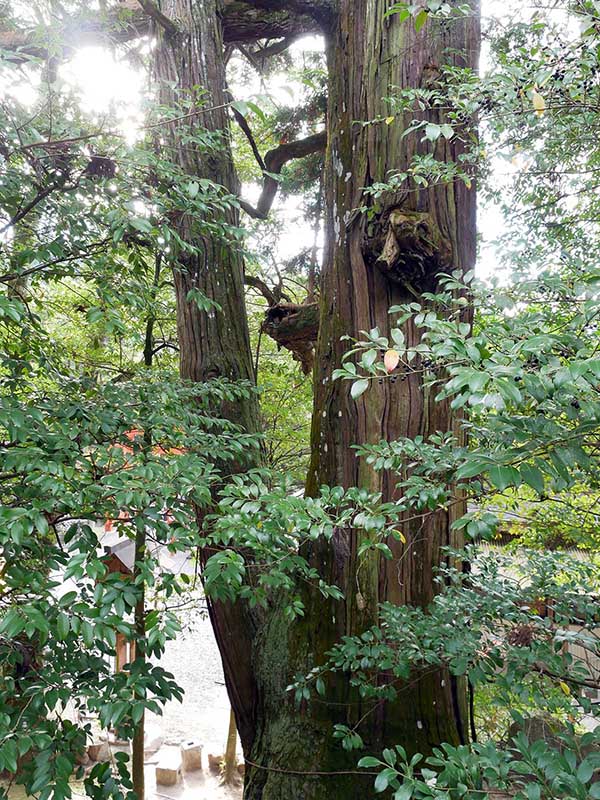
x,y
193,658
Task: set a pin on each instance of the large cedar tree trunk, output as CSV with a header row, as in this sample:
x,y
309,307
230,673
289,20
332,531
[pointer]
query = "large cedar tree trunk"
x,y
368,268
212,343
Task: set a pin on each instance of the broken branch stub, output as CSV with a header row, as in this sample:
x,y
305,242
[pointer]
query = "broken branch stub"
x,y
295,327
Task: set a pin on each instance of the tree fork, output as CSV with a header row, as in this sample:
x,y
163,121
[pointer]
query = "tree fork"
x,y
273,164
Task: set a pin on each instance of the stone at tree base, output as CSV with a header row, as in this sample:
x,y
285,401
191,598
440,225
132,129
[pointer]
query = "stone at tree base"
x,y
99,751
169,770
191,755
214,763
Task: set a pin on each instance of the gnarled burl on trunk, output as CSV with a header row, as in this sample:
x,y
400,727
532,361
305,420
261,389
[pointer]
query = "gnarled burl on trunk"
x,y
414,252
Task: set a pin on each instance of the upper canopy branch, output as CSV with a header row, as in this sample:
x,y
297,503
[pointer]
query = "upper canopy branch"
x,y
274,162
130,19
275,48
241,120
154,12
119,24
247,22
320,10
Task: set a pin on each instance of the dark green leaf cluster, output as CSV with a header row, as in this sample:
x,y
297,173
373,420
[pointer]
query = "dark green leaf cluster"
x,y
144,455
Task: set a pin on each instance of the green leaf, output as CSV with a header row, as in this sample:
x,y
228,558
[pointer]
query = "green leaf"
x,y
369,761
382,781
257,110
62,626
140,224
10,754
433,131
421,19
67,599
503,477
594,791
400,9
473,467
585,770
533,791
358,388
87,633
95,314
369,357
137,712
478,380
509,391
533,477
12,624
241,107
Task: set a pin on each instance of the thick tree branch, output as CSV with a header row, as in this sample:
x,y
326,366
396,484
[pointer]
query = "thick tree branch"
x,y
320,10
274,162
241,121
24,210
276,48
247,22
121,24
261,286
154,12
163,346
259,56
591,683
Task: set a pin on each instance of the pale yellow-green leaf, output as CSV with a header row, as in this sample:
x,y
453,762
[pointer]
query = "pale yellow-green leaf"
x,y
539,103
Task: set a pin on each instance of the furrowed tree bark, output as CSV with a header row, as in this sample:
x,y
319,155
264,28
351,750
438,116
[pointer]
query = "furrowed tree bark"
x,y
369,266
245,22
214,343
